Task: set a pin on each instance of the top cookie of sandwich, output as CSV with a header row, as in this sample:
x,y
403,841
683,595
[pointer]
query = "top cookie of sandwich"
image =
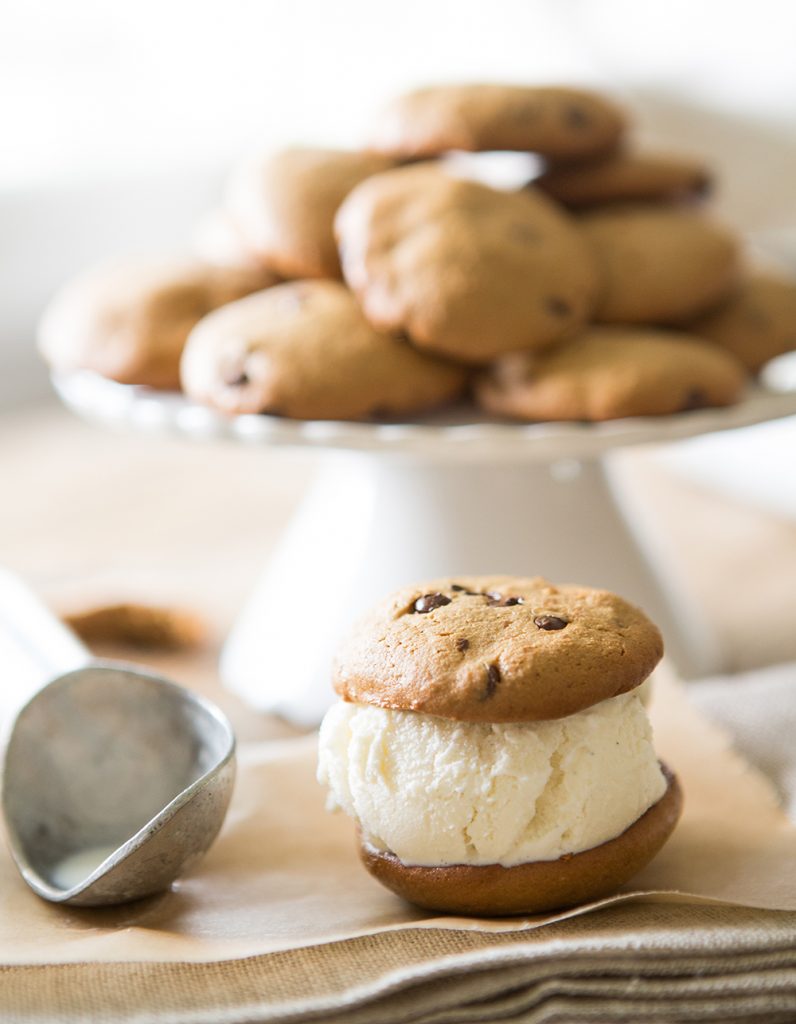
x,y
465,270
557,122
129,322
284,206
496,649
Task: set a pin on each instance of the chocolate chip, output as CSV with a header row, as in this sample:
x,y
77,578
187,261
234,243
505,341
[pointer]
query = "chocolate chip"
x,y
694,399
463,590
757,318
462,644
492,680
529,110
428,602
577,118
523,233
550,622
558,306
703,186
498,600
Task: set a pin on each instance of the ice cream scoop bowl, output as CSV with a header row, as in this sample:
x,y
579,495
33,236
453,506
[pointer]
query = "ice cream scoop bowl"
x,y
115,781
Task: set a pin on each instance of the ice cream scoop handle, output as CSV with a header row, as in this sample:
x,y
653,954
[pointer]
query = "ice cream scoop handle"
x,y
34,646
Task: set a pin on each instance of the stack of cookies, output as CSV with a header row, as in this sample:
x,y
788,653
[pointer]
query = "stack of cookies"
x,y
378,284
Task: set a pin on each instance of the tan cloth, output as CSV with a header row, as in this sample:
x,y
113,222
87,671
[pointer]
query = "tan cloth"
x,y
632,962
279,922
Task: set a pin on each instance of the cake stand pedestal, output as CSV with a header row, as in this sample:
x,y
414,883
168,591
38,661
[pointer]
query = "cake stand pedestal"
x,y
445,496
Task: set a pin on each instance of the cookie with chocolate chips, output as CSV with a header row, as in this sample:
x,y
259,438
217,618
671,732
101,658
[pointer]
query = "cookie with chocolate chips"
x,y
496,649
609,372
557,122
129,321
627,177
757,323
465,270
284,204
658,264
303,349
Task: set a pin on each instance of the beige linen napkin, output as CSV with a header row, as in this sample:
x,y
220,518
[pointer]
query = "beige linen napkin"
x,y
758,709
629,962
280,922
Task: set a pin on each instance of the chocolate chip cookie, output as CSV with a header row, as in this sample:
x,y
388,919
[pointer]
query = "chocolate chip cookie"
x,y
757,322
659,264
557,122
303,349
129,322
625,177
496,649
465,270
284,206
609,372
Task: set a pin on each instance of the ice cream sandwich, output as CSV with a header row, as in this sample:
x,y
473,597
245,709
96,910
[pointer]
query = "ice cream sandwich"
x,y
493,748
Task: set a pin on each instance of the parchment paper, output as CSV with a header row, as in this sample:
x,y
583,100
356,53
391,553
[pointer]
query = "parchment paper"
x,y
284,873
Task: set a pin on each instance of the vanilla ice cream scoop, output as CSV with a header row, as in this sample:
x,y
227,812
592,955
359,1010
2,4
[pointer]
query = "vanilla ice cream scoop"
x,y
435,791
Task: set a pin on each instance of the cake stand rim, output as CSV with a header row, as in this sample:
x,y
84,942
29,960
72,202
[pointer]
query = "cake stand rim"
x,y
432,438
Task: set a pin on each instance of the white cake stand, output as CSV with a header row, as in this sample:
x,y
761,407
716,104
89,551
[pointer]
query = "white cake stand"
x,y
445,495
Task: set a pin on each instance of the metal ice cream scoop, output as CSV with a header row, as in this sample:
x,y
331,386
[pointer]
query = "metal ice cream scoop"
x,y
114,780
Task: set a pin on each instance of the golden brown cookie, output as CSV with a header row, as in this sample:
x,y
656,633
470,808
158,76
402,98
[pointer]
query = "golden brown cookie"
x,y
284,206
659,264
143,626
538,886
560,123
626,177
609,372
757,323
303,349
464,270
130,322
496,649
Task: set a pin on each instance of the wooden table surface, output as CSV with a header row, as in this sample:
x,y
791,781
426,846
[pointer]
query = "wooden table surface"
x,y
89,516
